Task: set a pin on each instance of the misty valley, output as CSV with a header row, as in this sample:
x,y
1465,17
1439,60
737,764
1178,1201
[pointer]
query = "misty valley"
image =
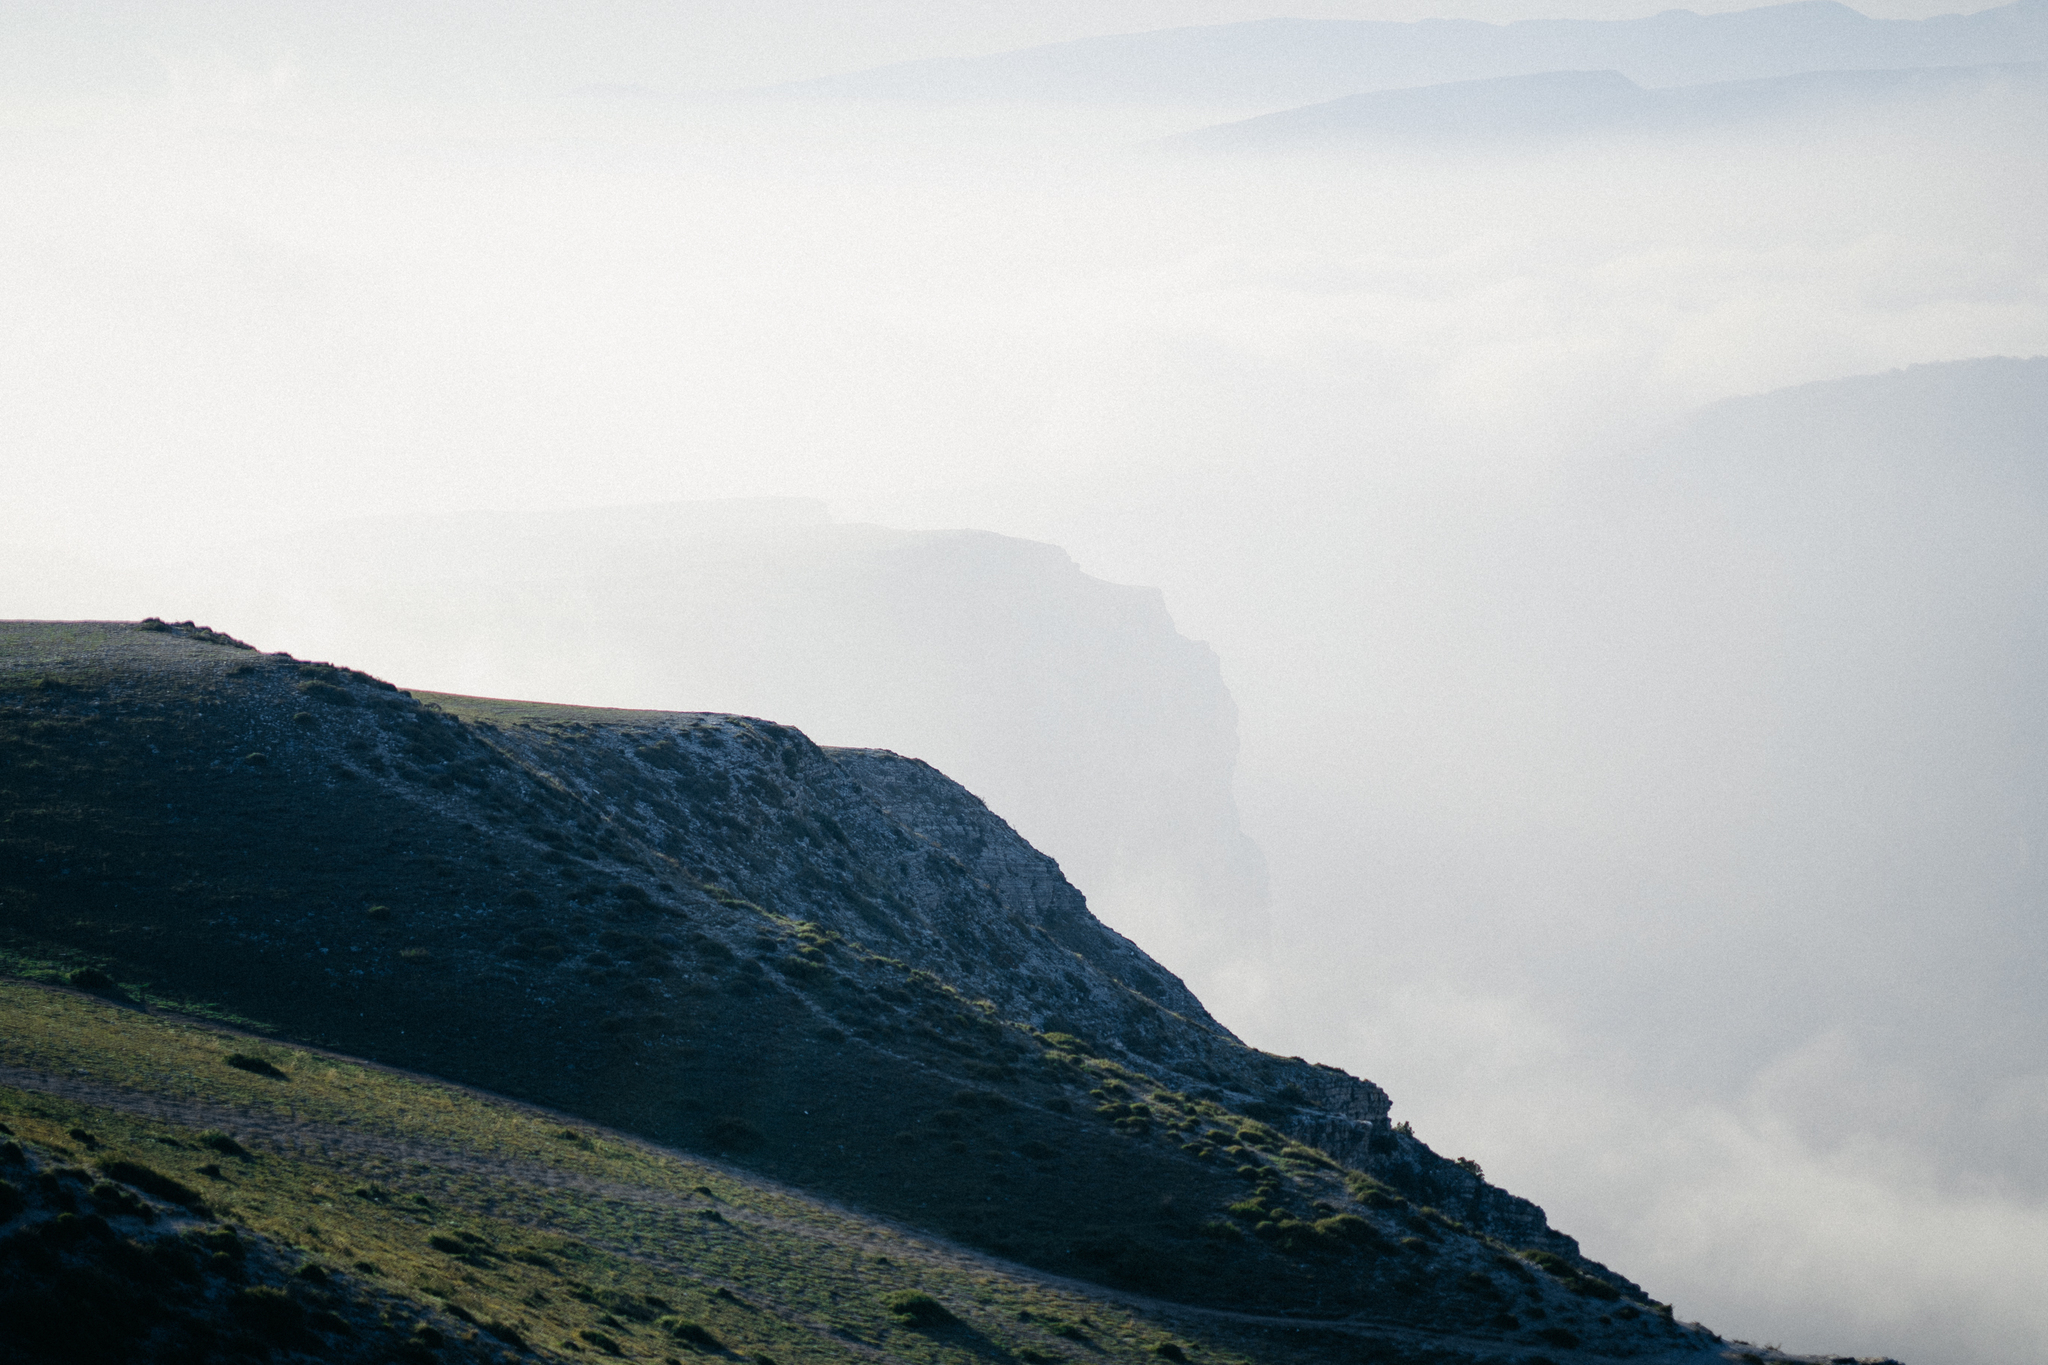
x,y
1181,680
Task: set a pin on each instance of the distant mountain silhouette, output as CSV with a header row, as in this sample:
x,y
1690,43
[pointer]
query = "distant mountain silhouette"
x,y
1276,63
1562,104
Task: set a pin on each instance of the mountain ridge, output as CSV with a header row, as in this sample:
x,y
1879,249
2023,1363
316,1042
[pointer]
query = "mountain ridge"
x,y
1555,105
1280,63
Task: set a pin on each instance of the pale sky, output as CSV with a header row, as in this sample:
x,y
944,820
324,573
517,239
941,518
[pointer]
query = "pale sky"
x,y
672,44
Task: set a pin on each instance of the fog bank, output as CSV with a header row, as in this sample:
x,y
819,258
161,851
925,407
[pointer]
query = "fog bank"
x,y
1649,788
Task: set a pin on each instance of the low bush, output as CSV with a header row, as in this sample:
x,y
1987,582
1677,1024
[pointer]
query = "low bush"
x,y
220,1142
255,1066
918,1309
114,1202
327,692
91,979
689,1333
1580,1283
224,1252
506,1332
153,1182
271,1313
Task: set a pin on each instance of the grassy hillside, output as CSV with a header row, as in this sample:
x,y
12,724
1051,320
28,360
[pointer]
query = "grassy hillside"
x,y
705,932
389,1213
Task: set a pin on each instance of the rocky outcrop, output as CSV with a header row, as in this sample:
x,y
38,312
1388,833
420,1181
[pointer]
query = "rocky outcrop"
x,y
1320,1105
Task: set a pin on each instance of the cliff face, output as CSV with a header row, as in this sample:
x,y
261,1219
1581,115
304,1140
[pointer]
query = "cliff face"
x,y
1321,1105
1071,704
838,963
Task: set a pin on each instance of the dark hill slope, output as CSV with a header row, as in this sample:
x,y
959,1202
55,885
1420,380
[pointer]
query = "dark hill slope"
x,y
170,1204
838,967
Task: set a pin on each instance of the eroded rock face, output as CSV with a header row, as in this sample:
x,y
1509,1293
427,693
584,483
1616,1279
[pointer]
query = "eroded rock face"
x,y
1029,885
1050,933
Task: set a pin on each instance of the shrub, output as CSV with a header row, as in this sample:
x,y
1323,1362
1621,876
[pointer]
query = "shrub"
x,y
222,1143
255,1066
1559,1337
1575,1279
506,1332
1347,1228
91,979
82,1138
114,1201
378,912
1169,1350
222,1242
155,1184
12,1202
327,692
600,1341
690,1333
918,1309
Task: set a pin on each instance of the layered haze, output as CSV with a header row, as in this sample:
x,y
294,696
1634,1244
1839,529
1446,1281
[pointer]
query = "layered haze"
x,y
1600,545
